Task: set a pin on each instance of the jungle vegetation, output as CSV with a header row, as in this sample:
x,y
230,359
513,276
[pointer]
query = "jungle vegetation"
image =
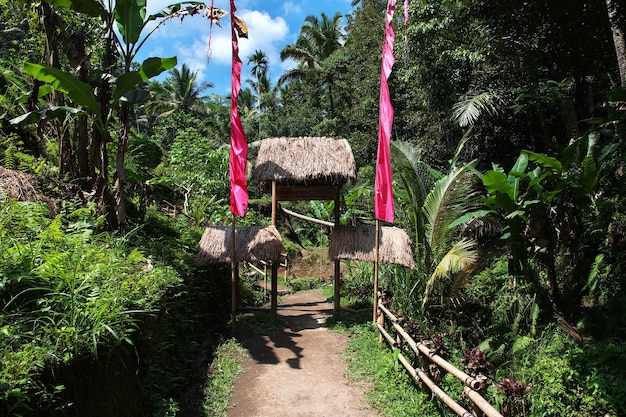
x,y
509,165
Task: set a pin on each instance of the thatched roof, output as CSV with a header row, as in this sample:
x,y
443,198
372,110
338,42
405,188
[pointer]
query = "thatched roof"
x,y
359,244
252,244
17,185
304,161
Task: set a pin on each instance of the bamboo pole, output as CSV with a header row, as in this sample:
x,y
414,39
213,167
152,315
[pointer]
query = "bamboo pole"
x,y
337,292
274,303
376,271
274,203
307,218
473,386
387,336
233,268
421,349
419,374
480,401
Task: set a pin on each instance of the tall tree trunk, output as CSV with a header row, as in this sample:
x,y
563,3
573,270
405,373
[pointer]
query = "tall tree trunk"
x,y
119,180
616,17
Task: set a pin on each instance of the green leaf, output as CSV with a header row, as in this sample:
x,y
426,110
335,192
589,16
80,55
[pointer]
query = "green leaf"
x,y
130,16
151,67
516,213
46,113
546,161
589,174
125,83
135,97
92,8
173,9
569,154
521,163
496,181
79,92
469,216
617,94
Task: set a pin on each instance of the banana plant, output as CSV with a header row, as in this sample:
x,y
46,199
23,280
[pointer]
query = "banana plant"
x,y
125,31
528,201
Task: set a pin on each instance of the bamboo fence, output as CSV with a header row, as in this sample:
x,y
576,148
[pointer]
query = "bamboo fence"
x,y
473,387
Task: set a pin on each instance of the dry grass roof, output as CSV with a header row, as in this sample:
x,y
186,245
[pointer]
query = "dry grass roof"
x,y
252,244
304,161
17,185
359,244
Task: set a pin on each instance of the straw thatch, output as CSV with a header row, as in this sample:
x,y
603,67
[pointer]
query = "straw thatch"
x,y
17,185
304,161
252,244
359,244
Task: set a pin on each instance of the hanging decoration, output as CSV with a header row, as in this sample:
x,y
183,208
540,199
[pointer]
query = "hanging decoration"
x,y
238,143
383,197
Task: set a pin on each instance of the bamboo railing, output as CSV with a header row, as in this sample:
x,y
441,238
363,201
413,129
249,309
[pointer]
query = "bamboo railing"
x,y
473,387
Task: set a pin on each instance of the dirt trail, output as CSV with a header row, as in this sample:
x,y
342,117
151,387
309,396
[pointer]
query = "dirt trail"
x,y
298,372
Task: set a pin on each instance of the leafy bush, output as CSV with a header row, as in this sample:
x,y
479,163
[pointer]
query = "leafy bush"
x,y
66,292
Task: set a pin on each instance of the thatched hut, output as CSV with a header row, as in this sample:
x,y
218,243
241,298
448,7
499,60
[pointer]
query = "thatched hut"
x,y
18,185
252,244
305,168
310,161
359,244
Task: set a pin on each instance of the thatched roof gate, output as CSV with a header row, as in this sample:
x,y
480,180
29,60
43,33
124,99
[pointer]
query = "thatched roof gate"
x,y
253,244
306,168
359,244
304,161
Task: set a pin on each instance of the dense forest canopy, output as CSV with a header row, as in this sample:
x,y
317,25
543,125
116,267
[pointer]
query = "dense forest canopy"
x,y
508,162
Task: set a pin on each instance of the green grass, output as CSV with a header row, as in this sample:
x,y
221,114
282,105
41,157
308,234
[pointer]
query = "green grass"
x,y
224,369
391,391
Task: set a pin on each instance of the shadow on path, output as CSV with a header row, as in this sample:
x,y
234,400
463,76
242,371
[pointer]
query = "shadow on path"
x,y
297,370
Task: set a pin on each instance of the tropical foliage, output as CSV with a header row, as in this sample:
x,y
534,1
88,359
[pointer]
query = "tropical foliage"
x,y
508,158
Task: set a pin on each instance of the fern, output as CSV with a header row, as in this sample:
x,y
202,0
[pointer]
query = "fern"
x,y
522,344
9,160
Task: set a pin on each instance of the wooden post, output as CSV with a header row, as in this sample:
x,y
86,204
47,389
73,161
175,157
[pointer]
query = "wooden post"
x,y
274,203
380,320
376,271
274,292
274,303
233,268
337,293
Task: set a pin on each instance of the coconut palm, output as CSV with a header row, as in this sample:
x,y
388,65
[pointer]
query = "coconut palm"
x,y
260,64
179,92
318,40
435,201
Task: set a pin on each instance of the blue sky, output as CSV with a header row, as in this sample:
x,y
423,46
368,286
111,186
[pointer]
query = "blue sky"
x,y
272,24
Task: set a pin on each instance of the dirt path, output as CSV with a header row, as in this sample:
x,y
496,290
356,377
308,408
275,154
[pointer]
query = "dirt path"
x,y
298,372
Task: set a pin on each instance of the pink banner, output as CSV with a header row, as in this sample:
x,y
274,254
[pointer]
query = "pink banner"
x,y
238,143
383,198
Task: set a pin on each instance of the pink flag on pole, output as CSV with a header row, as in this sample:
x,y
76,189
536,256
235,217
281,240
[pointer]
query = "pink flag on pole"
x,y
383,198
238,143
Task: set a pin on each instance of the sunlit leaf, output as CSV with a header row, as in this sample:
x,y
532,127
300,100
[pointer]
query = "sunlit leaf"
x,y
79,92
130,16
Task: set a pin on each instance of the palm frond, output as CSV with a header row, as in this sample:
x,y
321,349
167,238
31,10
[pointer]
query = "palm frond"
x,y
472,106
447,200
458,260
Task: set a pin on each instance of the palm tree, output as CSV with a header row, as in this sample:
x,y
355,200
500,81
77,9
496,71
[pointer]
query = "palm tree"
x,y
261,64
435,200
318,40
179,92
259,71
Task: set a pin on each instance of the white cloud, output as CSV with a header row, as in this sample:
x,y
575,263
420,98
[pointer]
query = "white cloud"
x,y
292,8
264,33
